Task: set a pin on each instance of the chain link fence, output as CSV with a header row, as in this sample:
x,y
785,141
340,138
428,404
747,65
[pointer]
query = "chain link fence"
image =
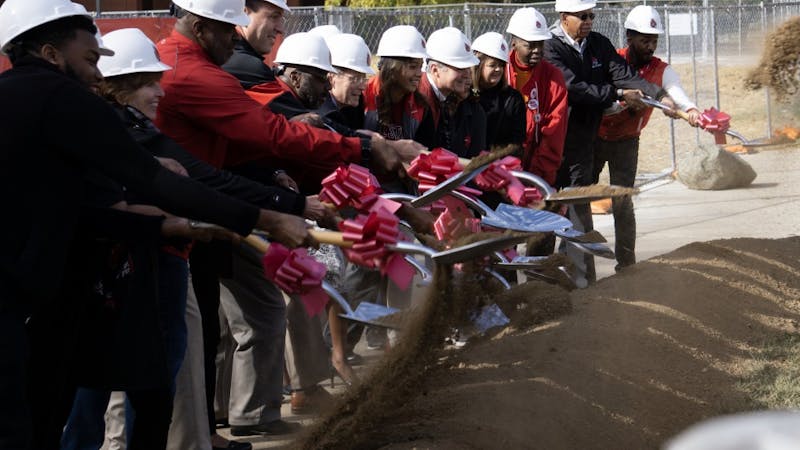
x,y
704,40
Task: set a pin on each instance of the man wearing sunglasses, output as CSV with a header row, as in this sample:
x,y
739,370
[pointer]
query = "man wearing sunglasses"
x,y
596,76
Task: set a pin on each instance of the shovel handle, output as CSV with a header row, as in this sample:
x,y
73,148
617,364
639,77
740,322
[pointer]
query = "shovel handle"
x,y
322,236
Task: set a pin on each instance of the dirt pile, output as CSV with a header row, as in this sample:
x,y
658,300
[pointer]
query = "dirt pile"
x,y
643,355
779,68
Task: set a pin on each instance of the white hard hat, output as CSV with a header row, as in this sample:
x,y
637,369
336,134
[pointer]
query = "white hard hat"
x,y
134,53
305,49
449,46
19,16
645,20
402,41
574,5
325,31
101,46
349,51
280,4
228,11
528,24
491,44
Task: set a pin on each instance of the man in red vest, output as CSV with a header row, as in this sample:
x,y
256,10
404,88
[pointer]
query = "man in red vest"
x,y
542,86
618,138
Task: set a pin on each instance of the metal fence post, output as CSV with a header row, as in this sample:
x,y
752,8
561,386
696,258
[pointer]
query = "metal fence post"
x,y
766,88
97,8
467,22
714,55
672,151
694,65
316,17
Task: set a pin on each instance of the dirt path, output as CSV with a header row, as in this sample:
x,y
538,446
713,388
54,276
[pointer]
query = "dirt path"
x,y
643,355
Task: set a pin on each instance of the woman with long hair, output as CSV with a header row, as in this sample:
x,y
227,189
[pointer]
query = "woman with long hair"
x,y
504,105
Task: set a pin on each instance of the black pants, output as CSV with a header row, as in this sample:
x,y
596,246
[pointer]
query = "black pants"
x,y
622,158
576,170
15,418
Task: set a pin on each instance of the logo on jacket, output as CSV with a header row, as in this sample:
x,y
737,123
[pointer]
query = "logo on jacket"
x,y
596,63
467,141
533,99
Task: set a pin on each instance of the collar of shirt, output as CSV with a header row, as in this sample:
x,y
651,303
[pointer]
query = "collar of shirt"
x,y
578,46
184,43
436,90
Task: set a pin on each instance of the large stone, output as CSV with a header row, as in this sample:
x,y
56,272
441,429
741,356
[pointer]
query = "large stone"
x,y
711,168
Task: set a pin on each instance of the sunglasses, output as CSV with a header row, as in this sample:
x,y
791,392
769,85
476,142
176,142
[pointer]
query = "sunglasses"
x,y
584,17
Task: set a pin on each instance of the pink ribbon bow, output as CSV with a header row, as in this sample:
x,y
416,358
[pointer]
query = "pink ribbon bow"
x,y
355,186
370,234
434,168
498,176
715,122
297,272
456,221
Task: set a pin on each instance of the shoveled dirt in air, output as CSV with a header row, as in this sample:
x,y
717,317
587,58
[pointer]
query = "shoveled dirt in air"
x,y
643,355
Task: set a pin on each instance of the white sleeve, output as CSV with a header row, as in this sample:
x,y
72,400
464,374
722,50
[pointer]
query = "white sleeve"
x,y
671,82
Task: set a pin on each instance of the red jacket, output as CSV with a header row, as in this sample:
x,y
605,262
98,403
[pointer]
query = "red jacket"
x,y
628,124
545,96
207,112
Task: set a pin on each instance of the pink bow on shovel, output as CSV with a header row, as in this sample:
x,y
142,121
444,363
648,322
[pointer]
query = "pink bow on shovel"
x,y
498,176
434,168
370,234
297,272
355,186
456,221
715,122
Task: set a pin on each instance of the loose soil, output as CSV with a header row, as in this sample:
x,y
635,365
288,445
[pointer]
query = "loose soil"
x,y
642,355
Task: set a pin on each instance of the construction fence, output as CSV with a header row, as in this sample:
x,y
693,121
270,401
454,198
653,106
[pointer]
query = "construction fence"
x,y
702,36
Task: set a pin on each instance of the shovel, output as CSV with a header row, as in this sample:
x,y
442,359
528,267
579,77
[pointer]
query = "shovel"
x,y
567,197
367,313
537,267
718,136
463,253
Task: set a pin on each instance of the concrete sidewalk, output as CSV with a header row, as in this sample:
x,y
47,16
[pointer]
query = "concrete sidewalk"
x,y
671,215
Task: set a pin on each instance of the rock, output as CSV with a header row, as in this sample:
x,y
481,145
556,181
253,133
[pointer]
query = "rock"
x,y
711,168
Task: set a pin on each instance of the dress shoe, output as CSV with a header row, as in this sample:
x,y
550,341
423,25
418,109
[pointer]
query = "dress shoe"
x,y
235,445
274,428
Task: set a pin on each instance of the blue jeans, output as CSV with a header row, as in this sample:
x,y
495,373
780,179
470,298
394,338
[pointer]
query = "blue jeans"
x,y
85,429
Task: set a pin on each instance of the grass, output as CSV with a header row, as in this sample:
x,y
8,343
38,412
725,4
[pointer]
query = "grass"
x,y
774,381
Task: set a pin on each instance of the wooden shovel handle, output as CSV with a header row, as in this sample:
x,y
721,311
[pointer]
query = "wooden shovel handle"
x,y
682,114
322,236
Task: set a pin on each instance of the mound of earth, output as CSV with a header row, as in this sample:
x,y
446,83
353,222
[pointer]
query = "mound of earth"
x,y
643,355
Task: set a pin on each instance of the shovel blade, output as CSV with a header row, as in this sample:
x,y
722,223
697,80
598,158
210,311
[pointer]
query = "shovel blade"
x,y
371,314
510,217
478,249
596,249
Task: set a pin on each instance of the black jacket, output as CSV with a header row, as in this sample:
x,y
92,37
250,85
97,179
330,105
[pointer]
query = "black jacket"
x,y
592,81
505,116
345,119
248,66
53,130
245,189
463,133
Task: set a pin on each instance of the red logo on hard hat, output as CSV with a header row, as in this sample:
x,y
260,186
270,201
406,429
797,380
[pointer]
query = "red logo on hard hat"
x,y
538,25
503,47
423,43
466,47
653,23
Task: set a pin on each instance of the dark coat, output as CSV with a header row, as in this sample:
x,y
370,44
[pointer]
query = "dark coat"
x,y
592,80
54,129
505,116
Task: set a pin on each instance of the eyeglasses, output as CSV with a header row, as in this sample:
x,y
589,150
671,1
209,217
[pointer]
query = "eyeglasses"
x,y
584,17
355,79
